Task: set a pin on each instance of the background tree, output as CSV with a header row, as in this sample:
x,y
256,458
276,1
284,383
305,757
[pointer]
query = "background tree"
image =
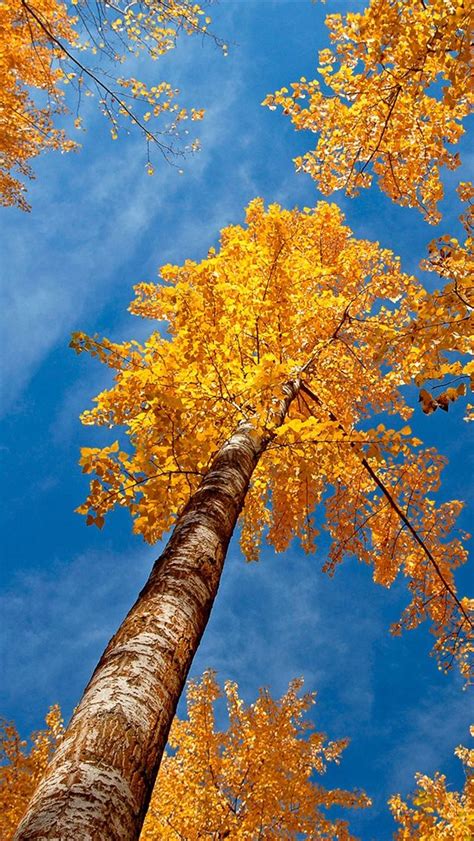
x,y
390,99
254,779
260,396
47,45
380,107
21,768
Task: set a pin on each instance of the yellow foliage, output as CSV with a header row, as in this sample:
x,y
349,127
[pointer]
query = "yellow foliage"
x,y
254,779
21,769
451,307
29,61
435,812
257,775
290,296
442,322
45,45
390,98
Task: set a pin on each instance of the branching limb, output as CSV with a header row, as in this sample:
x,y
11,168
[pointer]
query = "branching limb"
x,y
394,504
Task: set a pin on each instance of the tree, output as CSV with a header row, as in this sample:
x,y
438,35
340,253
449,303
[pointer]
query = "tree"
x,y
46,45
255,777
253,780
378,108
257,398
377,104
437,813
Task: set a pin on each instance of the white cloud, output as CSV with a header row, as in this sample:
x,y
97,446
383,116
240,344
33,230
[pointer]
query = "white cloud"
x,y
56,623
428,737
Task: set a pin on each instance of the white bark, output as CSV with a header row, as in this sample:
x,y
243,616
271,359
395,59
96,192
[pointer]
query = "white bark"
x,y
99,783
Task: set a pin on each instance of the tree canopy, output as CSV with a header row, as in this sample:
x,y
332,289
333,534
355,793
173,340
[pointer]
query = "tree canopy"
x,y
22,766
259,777
291,297
390,99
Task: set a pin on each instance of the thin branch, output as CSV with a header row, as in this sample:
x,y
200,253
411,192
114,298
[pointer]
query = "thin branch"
x,y
393,503
384,129
101,84
158,473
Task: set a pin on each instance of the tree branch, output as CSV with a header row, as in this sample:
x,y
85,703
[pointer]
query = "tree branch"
x,y
393,503
99,82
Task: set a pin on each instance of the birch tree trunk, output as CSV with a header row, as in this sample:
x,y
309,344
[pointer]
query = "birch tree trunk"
x,y
99,783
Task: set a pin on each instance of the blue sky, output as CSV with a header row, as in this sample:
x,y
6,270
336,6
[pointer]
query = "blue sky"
x,y
99,224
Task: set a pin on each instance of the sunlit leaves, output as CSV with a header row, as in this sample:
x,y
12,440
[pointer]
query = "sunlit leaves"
x,y
291,296
257,778
259,775
438,347
389,99
21,768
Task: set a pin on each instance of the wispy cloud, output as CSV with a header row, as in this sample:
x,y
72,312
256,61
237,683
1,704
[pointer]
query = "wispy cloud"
x,y
56,624
430,733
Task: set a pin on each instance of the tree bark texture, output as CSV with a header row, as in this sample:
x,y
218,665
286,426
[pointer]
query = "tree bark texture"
x,y
99,783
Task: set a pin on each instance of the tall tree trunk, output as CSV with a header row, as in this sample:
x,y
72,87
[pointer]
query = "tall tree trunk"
x,y
99,783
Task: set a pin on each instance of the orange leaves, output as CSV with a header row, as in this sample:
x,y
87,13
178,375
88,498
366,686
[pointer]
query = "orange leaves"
x,y
45,48
29,63
21,769
374,107
436,345
429,403
290,297
246,780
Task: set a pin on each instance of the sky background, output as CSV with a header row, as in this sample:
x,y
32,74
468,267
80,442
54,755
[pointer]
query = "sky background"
x,y
99,224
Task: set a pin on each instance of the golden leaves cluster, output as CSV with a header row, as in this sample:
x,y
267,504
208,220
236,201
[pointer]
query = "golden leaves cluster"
x,y
29,62
21,768
446,317
46,45
290,296
437,351
389,100
254,779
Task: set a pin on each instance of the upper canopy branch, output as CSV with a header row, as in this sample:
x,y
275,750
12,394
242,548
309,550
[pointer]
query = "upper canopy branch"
x,y
398,510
